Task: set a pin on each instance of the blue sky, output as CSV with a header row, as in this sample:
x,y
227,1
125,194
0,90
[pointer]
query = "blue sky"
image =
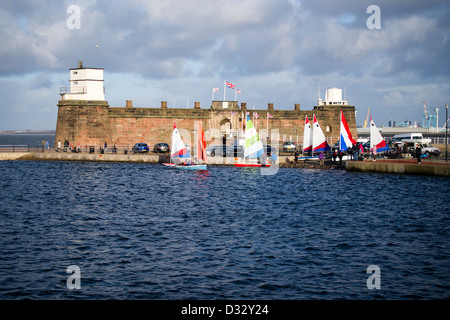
x,y
275,51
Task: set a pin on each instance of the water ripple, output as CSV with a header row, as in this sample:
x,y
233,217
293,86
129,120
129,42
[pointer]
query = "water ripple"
x,y
141,231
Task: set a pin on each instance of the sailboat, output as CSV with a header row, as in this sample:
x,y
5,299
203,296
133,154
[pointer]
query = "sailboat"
x,y
346,140
179,151
319,142
307,137
376,140
253,148
308,142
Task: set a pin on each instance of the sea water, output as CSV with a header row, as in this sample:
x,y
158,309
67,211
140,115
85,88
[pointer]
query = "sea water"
x,y
144,231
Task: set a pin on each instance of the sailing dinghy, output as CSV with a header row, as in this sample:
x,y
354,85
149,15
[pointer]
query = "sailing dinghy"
x,y
180,154
253,148
307,142
376,140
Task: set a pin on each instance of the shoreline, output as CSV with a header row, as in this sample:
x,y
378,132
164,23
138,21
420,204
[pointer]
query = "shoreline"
x,y
429,167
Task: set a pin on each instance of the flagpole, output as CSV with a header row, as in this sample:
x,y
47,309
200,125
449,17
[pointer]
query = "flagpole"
x,y
224,89
340,135
212,98
235,94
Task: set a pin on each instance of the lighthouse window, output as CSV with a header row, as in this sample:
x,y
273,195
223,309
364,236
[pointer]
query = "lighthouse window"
x,y
75,82
75,72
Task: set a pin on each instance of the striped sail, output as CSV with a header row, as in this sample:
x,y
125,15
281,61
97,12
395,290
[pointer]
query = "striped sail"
x,y
253,145
307,136
376,139
346,140
319,141
179,150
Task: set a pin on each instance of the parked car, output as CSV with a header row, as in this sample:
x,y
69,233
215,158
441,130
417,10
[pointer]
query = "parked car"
x,y
238,151
140,148
289,146
426,148
269,149
217,150
161,147
429,149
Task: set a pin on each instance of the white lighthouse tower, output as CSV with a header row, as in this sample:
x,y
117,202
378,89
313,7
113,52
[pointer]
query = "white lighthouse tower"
x,y
333,96
85,84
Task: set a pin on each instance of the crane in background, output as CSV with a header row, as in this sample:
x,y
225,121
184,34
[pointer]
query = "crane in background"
x,y
429,120
367,118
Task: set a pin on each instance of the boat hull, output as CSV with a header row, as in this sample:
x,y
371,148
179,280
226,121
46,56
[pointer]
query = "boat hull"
x,y
187,166
308,158
241,165
169,164
191,167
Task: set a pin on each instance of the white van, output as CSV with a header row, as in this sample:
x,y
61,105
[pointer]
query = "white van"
x,y
399,139
403,136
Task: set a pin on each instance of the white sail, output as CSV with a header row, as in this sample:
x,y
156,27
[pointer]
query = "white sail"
x,y
319,141
307,136
178,150
376,139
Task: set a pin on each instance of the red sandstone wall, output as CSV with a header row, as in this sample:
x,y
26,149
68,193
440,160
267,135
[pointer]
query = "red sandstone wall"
x,y
93,123
128,131
82,123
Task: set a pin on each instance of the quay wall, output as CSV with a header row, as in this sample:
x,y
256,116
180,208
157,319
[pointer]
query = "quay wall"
x,y
398,168
14,155
351,166
64,156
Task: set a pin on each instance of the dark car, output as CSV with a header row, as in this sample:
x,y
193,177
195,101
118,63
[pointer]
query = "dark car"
x,y
140,148
289,146
161,147
239,150
269,149
217,151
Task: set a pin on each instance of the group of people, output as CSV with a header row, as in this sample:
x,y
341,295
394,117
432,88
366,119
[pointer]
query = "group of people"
x,y
68,147
415,152
355,153
45,144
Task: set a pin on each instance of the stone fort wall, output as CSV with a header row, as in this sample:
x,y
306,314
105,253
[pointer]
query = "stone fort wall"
x,y
95,122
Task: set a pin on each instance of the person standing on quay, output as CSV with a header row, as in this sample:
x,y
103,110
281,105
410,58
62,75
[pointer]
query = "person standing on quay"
x,y
334,155
321,158
418,153
59,145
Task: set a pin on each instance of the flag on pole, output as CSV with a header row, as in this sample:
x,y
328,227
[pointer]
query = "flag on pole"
x,y
269,116
214,90
238,91
230,85
256,115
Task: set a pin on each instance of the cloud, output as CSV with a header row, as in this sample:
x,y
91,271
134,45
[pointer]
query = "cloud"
x,y
275,50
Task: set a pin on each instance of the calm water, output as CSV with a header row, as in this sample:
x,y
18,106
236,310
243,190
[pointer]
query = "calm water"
x,y
32,140
140,231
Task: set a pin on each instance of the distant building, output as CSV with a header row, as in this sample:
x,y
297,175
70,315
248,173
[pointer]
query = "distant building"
x,y
85,84
333,96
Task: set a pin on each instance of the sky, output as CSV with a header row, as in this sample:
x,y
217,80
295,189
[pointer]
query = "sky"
x,y
275,51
